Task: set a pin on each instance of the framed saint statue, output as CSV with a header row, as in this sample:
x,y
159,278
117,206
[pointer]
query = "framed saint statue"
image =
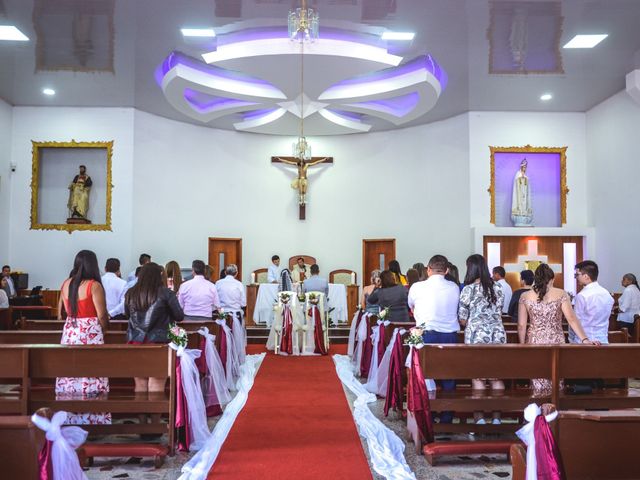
x,y
528,186
71,186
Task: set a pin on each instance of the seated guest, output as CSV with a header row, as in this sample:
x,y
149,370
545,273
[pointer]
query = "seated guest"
x,y
208,272
83,298
113,287
4,298
8,287
128,285
273,272
198,297
412,277
526,281
498,276
366,291
231,291
435,307
142,260
480,311
422,271
453,275
392,295
394,268
592,305
174,276
629,302
315,283
151,307
300,271
223,273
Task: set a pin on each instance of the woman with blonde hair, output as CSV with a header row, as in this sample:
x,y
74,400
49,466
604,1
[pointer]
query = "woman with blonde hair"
x,y
174,276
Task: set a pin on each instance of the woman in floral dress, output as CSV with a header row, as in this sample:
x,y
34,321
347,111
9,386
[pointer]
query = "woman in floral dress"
x,y
480,309
543,307
83,298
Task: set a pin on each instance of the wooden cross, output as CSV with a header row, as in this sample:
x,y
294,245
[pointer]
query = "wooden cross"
x,y
300,183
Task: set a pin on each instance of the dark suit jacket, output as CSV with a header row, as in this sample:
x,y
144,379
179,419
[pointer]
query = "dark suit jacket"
x,y
513,304
395,298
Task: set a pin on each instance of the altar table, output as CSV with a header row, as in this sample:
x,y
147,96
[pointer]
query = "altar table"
x,y
268,292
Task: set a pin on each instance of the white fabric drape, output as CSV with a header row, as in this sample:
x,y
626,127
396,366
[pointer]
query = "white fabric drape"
x,y
197,468
361,337
277,325
527,435
372,378
352,335
65,440
385,448
239,334
193,396
232,362
215,369
383,368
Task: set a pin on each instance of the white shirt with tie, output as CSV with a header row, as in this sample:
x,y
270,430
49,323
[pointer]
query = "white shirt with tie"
x,y
231,293
629,304
113,292
593,308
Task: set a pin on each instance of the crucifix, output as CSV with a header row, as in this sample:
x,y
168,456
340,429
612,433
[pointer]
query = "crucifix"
x,y
300,183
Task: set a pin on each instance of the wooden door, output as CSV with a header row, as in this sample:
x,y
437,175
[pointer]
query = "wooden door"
x,y
222,252
376,254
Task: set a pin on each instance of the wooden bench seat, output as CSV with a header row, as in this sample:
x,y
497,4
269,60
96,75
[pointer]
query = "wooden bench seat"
x,y
88,452
432,451
114,325
20,443
14,369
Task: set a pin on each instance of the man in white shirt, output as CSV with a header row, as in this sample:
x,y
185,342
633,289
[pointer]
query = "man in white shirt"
x,y
113,287
10,288
231,291
142,260
592,305
498,276
434,303
198,297
629,303
273,272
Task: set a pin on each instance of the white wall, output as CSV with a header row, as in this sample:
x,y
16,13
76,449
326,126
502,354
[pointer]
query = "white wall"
x,y
6,117
613,165
48,255
194,182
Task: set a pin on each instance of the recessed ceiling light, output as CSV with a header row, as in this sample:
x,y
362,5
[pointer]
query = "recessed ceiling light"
x,y
546,97
9,32
585,41
48,91
398,35
198,32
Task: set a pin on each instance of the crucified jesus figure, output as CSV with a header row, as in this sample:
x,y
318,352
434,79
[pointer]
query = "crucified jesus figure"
x,y
300,182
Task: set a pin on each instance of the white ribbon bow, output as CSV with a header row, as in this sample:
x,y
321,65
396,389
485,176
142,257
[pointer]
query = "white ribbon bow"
x,y
233,363
527,435
64,459
193,395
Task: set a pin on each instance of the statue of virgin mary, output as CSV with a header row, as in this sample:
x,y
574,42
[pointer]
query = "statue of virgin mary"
x,y
521,213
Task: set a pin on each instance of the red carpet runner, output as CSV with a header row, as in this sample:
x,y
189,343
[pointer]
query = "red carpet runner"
x,y
296,425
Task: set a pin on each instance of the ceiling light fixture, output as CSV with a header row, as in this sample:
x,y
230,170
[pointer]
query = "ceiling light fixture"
x,y
398,35
48,91
11,33
303,23
585,41
198,32
546,97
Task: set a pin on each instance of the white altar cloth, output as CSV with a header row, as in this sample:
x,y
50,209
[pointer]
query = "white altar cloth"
x,y
267,293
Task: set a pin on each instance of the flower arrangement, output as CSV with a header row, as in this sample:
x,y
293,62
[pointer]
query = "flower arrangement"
x,y
301,297
313,299
222,315
285,297
359,308
177,335
384,314
415,336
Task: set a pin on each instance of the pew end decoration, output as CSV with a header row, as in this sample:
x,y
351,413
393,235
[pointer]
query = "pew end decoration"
x,y
415,337
178,335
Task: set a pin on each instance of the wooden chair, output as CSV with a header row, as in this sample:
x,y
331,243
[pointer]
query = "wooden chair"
x,y
260,275
307,260
343,276
20,443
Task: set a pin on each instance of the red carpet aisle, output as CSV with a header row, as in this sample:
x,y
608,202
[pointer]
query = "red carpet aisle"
x,y
296,425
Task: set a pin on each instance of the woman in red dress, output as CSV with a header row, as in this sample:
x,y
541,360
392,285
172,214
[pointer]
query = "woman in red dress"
x,y
83,298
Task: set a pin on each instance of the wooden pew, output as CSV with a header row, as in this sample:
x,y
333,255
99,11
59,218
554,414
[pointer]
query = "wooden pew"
x,y
14,368
48,362
20,443
114,325
6,318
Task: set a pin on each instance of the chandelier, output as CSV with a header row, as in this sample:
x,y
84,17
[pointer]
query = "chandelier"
x,y
303,24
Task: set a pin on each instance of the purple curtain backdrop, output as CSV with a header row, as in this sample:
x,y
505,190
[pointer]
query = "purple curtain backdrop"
x,y
543,171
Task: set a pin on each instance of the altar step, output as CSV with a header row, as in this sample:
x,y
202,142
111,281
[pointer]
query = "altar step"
x,y
258,335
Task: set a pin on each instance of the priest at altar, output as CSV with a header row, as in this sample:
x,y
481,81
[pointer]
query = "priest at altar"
x,y
301,271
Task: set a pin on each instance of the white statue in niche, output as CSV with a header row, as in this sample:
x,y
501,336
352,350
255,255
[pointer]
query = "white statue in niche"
x,y
521,213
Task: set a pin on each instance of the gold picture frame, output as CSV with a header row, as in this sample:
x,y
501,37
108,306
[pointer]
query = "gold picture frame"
x,y
564,190
35,186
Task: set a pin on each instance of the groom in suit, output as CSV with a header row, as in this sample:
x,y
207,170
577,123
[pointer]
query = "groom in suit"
x,y
316,283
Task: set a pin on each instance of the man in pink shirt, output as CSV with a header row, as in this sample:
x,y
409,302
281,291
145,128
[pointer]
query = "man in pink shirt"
x,y
198,297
